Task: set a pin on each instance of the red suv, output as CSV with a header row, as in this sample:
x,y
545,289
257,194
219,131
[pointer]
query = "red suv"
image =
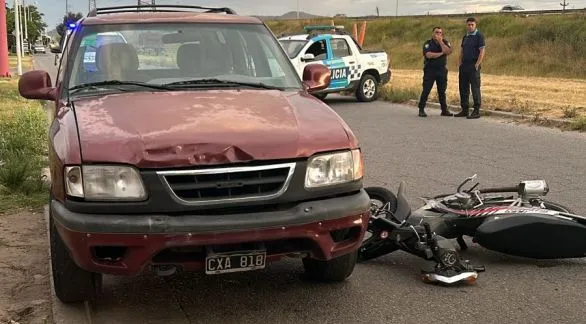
x,y
193,145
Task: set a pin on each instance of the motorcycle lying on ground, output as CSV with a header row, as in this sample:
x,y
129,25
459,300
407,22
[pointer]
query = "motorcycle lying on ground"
x,y
512,220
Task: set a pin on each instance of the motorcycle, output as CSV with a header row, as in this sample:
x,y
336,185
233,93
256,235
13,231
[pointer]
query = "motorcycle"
x,y
513,220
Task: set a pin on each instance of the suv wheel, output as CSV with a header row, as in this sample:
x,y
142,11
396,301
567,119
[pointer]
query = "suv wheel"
x,y
334,270
367,89
72,283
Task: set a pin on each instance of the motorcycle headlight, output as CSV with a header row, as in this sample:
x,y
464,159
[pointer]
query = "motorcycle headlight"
x,y
334,168
95,182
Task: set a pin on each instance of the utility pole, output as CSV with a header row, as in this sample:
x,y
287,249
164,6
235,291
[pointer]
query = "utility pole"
x,y
564,5
297,9
18,35
26,17
396,8
4,67
21,28
91,5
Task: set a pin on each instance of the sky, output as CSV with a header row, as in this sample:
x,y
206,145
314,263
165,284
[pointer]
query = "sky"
x,y
55,9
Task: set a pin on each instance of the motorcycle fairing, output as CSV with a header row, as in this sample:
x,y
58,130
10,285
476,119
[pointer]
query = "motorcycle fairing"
x,y
532,235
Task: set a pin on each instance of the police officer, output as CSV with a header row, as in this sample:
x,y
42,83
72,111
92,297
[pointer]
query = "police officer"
x,y
435,51
471,56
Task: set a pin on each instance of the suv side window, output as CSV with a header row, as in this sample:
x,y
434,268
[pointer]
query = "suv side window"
x,y
340,47
319,49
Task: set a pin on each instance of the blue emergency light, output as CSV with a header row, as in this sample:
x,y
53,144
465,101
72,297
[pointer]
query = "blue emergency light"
x,y
72,25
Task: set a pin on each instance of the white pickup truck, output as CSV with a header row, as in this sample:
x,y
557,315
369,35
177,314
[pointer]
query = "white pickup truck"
x,y
352,68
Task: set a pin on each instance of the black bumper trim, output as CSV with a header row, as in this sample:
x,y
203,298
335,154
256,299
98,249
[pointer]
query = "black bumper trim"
x,y
303,213
385,77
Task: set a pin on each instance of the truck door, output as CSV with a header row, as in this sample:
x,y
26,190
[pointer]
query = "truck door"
x,y
339,62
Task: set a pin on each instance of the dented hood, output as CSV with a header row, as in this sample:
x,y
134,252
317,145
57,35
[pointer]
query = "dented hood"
x,y
183,128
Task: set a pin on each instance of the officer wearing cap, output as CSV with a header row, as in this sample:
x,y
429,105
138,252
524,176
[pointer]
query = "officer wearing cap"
x,y
435,51
471,56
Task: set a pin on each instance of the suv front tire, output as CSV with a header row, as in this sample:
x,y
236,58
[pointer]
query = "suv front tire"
x,y
72,283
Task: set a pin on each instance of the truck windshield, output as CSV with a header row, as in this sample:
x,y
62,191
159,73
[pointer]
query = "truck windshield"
x,y
292,47
173,53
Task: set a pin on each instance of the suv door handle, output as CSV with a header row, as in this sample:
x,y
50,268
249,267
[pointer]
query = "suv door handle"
x,y
352,62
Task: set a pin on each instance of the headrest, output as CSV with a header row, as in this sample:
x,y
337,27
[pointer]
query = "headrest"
x,y
120,55
189,56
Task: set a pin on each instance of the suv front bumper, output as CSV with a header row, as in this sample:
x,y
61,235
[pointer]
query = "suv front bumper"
x,y
126,244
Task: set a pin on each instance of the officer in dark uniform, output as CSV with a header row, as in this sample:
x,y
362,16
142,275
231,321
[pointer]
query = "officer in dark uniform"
x,y
435,51
471,57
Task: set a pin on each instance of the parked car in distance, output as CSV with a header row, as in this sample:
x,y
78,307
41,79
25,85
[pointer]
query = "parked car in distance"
x,y
39,48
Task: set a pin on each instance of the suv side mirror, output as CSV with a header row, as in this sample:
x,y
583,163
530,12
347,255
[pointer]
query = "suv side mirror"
x,y
316,77
36,84
308,57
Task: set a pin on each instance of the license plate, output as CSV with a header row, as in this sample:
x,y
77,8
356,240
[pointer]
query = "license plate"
x,y
235,262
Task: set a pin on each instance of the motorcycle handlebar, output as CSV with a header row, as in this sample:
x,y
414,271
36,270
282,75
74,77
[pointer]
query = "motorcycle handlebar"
x,y
500,189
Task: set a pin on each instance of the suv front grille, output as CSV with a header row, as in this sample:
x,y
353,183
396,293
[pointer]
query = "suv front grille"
x,y
221,185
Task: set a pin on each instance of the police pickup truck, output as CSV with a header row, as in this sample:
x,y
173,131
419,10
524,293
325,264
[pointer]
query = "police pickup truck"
x,y
353,69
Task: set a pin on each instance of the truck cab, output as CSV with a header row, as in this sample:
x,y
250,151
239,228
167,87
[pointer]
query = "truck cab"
x,y
352,68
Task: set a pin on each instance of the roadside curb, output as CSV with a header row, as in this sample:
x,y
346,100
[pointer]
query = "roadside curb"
x,y
504,114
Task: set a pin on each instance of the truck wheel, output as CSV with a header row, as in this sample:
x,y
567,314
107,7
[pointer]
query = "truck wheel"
x,y
72,283
335,270
367,90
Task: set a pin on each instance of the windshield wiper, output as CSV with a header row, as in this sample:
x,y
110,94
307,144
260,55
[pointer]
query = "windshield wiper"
x,y
222,82
117,83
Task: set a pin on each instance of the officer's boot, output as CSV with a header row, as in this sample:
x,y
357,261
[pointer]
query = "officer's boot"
x,y
463,113
475,114
422,113
445,112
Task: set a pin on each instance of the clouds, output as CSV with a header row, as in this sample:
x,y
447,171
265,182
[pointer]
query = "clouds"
x,y
55,9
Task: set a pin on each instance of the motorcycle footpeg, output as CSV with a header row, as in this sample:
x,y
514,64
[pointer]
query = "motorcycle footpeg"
x,y
468,277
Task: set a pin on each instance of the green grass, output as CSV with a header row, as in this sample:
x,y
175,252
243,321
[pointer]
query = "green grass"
x,y
578,124
545,46
399,95
23,139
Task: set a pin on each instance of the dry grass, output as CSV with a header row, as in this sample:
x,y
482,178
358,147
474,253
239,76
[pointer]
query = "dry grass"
x,y
547,97
27,62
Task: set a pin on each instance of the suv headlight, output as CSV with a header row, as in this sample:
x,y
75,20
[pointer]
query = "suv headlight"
x,y
334,168
101,182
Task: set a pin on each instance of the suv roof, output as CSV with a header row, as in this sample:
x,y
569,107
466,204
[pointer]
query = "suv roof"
x,y
164,14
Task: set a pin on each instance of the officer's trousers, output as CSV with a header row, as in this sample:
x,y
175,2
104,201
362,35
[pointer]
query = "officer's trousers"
x,y
439,75
469,78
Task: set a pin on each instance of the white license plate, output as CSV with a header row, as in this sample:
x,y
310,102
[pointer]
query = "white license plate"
x,y
235,262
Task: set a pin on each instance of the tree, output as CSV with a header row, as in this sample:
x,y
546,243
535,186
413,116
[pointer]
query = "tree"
x,y
67,19
35,23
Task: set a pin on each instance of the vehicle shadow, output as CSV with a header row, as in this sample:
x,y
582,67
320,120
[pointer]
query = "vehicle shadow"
x,y
279,294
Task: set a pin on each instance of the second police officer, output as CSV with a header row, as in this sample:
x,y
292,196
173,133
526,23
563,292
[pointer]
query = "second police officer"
x,y
435,51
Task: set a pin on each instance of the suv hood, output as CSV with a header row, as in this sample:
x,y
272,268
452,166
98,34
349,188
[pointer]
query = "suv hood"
x,y
183,128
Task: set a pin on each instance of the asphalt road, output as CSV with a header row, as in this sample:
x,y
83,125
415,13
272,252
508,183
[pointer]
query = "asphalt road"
x,y
432,155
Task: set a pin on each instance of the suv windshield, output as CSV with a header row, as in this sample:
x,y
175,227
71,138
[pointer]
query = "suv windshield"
x,y
177,55
292,47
